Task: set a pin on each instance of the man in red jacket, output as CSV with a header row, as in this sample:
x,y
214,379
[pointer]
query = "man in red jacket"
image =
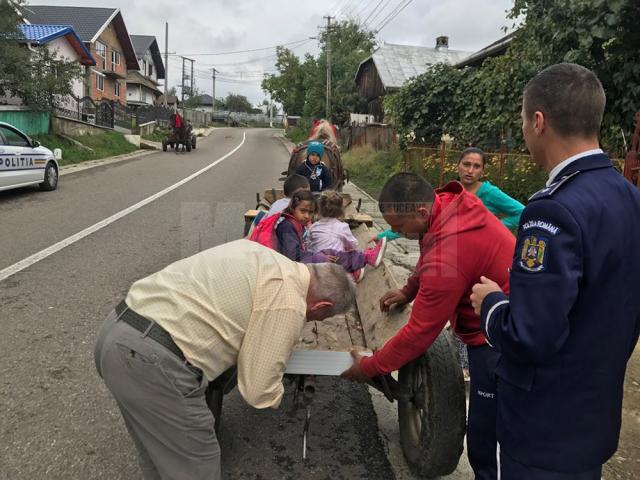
x,y
460,241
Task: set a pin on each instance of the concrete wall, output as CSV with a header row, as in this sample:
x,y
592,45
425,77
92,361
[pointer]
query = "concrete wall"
x,y
146,128
68,126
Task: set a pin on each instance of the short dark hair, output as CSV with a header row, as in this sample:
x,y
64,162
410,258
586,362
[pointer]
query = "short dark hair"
x,y
404,192
295,182
330,204
298,198
477,150
571,98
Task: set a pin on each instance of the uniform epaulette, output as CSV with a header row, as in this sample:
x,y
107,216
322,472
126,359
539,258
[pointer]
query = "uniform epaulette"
x,y
551,189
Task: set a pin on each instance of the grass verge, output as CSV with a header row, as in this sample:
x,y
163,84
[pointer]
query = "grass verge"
x,y
370,169
158,135
104,145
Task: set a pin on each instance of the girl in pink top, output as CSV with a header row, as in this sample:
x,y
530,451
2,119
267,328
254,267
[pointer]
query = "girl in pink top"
x,y
330,233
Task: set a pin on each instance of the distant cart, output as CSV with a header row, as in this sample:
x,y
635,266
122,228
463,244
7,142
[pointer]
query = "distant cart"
x,y
430,390
180,137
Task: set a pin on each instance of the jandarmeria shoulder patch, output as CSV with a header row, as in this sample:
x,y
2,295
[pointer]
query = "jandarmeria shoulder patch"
x,y
534,253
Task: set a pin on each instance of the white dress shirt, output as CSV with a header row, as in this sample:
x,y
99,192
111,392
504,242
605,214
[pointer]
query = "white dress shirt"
x,y
558,168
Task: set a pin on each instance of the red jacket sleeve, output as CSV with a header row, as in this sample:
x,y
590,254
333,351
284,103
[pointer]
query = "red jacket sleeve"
x,y
442,287
410,290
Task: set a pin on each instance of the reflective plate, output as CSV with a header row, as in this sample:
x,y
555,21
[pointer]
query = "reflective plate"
x,y
319,362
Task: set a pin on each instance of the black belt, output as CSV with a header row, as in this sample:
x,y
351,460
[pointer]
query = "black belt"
x,y
156,332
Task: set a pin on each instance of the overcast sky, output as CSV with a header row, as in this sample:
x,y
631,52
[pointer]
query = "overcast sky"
x,y
214,26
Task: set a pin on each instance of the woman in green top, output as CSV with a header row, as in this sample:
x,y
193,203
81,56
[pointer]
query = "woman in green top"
x,y
470,171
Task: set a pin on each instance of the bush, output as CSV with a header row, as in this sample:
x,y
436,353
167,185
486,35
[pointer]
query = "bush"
x,y
157,135
300,132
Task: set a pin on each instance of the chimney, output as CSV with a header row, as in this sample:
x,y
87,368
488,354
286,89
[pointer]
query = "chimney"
x,y
442,43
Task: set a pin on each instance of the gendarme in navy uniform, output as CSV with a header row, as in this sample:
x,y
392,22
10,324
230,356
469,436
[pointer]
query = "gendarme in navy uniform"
x,y
571,322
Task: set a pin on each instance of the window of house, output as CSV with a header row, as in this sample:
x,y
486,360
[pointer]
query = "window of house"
x,y
101,49
99,82
150,69
115,58
117,89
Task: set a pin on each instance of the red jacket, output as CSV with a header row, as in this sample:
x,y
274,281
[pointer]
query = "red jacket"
x,y
464,242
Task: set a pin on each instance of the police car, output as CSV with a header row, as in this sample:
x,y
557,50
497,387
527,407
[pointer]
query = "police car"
x,y
24,162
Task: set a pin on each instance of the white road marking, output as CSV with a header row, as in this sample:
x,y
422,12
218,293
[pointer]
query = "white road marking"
x,y
42,254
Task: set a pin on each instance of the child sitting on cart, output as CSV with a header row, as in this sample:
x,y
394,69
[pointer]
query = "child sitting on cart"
x,y
314,170
286,232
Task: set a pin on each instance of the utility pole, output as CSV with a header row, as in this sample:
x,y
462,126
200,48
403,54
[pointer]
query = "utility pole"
x,y
328,39
184,77
265,76
166,60
213,101
191,82
182,87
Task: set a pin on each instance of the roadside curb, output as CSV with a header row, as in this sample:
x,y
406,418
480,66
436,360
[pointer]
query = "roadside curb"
x,y
286,143
79,167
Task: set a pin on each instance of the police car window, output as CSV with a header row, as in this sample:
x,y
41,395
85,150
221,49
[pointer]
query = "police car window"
x,y
13,138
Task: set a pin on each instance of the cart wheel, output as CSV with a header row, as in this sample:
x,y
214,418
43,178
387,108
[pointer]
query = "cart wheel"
x,y
193,142
432,423
164,145
188,145
214,395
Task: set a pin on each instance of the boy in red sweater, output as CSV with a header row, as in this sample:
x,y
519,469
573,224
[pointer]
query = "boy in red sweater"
x,y
460,241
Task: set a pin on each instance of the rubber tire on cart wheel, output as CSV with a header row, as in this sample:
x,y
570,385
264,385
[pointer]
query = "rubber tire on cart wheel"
x,y
50,182
188,145
193,142
164,145
433,423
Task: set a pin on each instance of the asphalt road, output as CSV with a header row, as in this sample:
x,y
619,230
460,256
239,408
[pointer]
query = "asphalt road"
x,y
57,419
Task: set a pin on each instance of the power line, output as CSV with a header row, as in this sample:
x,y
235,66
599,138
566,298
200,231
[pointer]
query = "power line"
x,y
242,51
394,14
379,12
365,7
372,12
390,13
255,60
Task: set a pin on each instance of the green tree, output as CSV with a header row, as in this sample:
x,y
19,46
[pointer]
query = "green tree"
x,y
238,103
193,101
300,86
39,77
288,86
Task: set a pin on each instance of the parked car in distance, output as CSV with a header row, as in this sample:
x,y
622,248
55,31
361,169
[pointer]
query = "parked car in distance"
x,y
24,162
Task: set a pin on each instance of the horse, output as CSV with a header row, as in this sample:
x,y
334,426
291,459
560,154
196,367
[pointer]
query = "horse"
x,y
321,131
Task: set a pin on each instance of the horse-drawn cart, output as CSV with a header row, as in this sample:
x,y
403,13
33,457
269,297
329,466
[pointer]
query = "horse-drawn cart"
x,y
180,136
430,391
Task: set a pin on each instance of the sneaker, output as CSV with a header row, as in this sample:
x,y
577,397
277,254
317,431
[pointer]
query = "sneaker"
x,y
373,256
358,275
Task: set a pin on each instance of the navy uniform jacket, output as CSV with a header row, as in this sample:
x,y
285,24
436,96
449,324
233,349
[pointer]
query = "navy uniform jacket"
x,y
571,321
